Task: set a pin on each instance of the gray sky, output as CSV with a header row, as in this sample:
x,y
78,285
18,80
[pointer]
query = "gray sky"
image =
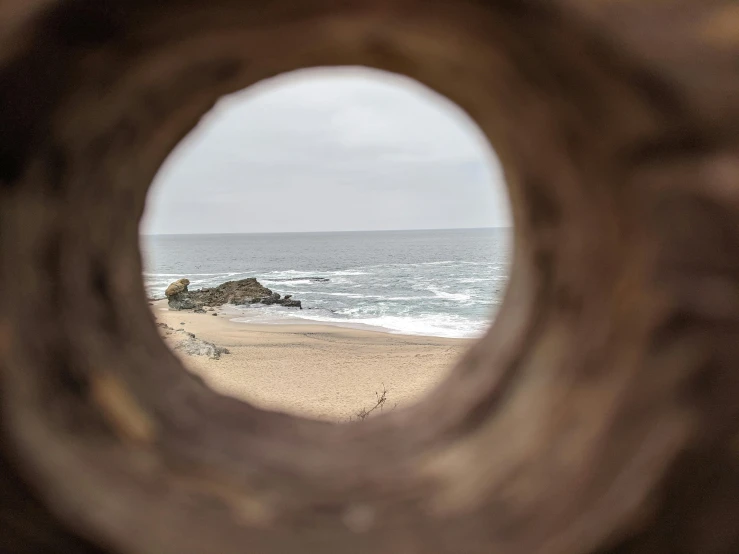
x,y
329,150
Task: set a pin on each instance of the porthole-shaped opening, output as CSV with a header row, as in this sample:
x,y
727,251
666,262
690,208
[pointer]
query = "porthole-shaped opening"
x,y
328,242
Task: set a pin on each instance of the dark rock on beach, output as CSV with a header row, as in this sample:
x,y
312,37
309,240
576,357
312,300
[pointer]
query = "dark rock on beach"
x,y
178,297
290,303
273,298
245,291
187,343
177,287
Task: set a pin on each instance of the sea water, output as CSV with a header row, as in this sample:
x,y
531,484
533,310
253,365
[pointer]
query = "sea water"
x,y
445,283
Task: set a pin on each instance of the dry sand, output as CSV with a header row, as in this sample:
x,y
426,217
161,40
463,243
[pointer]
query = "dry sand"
x,y
310,369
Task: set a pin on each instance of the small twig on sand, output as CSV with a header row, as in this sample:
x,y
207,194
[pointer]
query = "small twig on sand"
x,y
381,398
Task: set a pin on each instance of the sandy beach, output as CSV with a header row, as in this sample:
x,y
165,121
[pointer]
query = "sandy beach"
x,y
314,370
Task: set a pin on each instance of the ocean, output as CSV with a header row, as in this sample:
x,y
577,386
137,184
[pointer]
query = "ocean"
x,y
446,283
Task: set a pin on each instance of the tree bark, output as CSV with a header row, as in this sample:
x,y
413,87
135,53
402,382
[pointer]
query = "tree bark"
x,y
598,415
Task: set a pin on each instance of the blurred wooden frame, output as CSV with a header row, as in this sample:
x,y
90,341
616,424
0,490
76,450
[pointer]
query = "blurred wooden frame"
x,y
601,412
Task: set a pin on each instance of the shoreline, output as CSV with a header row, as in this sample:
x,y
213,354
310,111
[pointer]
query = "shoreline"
x,y
339,324
313,369
240,317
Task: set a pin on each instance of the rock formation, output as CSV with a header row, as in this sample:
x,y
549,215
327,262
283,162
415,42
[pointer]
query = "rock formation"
x,y
177,287
245,291
177,295
193,346
188,343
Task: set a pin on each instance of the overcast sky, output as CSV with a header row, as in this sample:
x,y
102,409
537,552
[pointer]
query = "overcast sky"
x,y
329,150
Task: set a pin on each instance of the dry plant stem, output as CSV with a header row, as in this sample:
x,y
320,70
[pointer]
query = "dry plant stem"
x,y
380,399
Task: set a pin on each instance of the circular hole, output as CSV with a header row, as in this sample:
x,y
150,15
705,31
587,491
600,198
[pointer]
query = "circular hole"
x,y
375,202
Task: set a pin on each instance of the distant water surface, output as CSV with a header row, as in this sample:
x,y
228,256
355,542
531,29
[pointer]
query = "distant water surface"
x,y
439,283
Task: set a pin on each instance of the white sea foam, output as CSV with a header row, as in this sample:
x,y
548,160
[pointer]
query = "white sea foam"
x,y
272,282
438,325
432,325
352,271
449,295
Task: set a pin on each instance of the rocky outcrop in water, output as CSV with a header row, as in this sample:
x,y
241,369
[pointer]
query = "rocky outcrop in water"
x,y
177,287
245,291
178,296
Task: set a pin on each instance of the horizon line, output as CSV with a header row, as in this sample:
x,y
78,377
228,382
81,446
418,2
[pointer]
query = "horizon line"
x,y
324,232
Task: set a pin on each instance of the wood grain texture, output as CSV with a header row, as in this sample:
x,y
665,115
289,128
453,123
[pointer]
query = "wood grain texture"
x,y
599,414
